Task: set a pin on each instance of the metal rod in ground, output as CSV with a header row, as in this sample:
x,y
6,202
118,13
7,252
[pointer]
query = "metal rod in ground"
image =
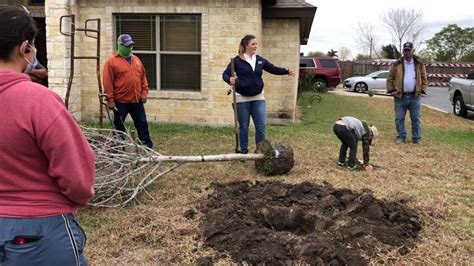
x,y
202,158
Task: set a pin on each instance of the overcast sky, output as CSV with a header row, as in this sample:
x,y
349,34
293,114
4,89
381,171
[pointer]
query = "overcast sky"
x,y
335,20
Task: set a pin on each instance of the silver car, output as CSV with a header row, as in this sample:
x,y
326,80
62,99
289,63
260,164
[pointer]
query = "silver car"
x,y
375,81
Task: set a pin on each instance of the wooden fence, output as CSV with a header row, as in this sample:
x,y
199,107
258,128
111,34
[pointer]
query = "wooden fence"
x,y
438,73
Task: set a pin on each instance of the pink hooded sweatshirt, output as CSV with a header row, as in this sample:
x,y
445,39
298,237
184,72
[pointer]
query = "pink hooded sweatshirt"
x,y
47,167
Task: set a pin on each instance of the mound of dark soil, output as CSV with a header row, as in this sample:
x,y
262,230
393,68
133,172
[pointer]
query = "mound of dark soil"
x,y
275,223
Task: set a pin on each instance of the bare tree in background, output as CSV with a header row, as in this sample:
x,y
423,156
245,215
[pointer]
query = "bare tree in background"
x,y
344,53
366,39
405,25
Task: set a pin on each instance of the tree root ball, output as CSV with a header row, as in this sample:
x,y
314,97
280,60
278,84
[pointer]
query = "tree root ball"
x,y
278,158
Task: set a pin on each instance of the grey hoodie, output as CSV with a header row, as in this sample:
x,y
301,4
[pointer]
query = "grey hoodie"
x,y
354,125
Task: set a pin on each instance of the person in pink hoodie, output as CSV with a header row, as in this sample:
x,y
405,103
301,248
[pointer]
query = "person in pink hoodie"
x,y
47,167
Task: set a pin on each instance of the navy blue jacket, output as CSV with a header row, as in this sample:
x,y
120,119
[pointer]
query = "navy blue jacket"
x,y
249,82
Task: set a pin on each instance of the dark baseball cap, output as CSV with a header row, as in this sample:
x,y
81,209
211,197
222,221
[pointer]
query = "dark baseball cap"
x,y
125,40
408,46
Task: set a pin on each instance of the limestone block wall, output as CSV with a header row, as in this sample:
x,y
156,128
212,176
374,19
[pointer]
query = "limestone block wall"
x,y
224,23
281,39
230,21
59,53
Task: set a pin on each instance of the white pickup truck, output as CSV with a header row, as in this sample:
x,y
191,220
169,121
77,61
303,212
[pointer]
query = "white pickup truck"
x,y
461,94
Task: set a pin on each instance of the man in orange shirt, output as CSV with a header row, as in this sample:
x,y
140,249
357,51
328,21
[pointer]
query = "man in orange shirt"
x,y
126,87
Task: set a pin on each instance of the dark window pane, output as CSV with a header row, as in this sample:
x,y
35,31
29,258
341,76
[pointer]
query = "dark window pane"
x,y
36,2
149,62
180,33
328,63
181,72
141,28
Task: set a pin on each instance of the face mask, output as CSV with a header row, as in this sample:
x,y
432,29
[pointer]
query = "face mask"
x,y
124,51
31,65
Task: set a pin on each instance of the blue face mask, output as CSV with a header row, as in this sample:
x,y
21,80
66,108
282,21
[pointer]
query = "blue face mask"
x,y
31,65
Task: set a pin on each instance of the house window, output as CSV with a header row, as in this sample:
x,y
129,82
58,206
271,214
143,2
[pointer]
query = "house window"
x,y
169,47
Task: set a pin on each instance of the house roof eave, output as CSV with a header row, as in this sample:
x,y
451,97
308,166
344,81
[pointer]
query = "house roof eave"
x,y
304,14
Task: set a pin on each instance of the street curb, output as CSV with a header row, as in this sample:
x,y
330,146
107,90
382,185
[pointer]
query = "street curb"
x,y
434,108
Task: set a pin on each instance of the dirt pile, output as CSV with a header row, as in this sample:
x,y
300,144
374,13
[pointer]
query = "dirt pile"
x,y
279,224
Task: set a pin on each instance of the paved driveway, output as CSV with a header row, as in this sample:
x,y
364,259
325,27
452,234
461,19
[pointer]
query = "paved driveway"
x,y
438,98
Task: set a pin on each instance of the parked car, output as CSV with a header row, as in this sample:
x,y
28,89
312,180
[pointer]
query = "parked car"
x,y
326,70
375,81
461,94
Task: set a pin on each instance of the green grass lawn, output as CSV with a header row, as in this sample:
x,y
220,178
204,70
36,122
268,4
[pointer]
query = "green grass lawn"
x,y
435,178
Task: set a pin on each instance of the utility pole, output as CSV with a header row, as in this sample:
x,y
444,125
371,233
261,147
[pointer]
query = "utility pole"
x,y
370,53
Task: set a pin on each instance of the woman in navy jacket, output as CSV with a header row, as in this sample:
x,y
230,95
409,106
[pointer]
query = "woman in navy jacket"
x,y
249,88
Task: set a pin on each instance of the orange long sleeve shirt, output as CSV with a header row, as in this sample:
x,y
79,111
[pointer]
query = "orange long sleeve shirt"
x,y
125,82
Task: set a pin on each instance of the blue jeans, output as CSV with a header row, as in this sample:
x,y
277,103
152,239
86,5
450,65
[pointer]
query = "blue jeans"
x,y
411,103
137,112
256,109
55,240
